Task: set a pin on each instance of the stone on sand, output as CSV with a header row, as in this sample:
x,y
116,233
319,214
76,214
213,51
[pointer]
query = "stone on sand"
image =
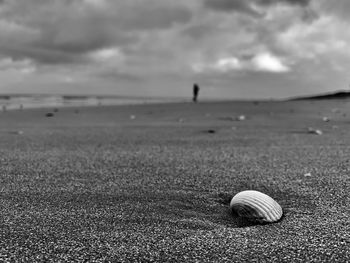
x,y
241,118
314,131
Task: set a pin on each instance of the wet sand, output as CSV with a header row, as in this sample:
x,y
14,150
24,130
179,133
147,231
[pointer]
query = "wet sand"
x,y
152,183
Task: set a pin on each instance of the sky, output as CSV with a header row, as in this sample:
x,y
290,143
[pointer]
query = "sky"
x,y
231,48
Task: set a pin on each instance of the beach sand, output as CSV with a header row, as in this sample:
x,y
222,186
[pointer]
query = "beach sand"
x,y
152,183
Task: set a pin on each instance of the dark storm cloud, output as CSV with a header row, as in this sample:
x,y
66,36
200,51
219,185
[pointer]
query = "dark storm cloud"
x,y
200,31
60,31
291,2
245,6
41,55
152,17
230,5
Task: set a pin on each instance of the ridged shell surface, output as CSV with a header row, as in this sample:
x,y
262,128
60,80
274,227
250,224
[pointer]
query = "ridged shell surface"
x,y
256,206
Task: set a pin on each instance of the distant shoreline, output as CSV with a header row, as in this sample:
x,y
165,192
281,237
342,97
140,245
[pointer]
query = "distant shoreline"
x,y
26,101
37,101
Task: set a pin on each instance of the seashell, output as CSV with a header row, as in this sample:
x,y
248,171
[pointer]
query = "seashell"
x,y
256,206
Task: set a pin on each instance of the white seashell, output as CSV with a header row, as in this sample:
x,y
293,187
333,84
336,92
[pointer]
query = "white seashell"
x,y
256,206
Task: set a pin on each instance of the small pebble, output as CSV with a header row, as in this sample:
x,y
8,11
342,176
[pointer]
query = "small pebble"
x,y
335,110
241,118
325,119
307,174
17,132
314,131
318,132
49,114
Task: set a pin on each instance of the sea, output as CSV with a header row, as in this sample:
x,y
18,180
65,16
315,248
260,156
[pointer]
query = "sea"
x,y
20,102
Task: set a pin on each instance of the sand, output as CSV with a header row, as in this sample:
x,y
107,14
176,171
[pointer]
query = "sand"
x,y
152,183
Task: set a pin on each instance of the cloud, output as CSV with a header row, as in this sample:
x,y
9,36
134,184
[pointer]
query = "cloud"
x,y
42,55
96,3
328,36
339,9
67,31
231,5
251,7
200,31
270,63
21,66
115,75
106,54
226,64
134,42
290,2
150,17
264,62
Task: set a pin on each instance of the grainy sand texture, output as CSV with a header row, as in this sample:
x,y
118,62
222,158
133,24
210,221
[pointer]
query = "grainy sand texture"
x,y
153,183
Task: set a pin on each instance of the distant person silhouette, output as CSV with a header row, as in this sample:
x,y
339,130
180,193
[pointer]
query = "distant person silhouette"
x,y
195,92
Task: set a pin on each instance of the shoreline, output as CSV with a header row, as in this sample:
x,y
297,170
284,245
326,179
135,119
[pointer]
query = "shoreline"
x,y
46,102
